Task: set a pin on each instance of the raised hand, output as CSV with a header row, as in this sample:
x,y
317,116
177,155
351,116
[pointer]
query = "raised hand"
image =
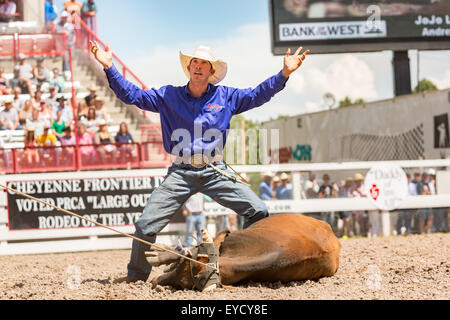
x,y
102,56
292,63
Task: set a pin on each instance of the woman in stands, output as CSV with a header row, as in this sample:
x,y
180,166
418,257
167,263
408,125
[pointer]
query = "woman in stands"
x,y
30,152
91,121
26,113
5,87
58,125
40,73
105,143
36,100
124,137
82,111
88,150
45,115
57,81
101,113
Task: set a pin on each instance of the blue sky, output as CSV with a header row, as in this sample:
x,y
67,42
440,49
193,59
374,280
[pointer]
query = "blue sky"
x,y
148,34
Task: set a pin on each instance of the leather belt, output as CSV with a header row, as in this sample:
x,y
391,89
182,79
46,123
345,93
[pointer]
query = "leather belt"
x,y
198,160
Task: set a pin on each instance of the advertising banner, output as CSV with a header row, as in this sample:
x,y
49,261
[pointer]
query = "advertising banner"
x,y
329,26
109,201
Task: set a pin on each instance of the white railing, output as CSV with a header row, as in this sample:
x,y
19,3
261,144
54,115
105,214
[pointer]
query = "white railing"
x,y
85,239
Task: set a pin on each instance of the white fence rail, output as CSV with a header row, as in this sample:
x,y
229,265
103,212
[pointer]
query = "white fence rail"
x,y
88,239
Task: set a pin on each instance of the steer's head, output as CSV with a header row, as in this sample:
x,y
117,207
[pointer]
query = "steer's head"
x,y
181,273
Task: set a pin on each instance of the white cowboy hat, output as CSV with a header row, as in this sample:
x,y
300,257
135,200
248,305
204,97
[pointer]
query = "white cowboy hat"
x,y
205,53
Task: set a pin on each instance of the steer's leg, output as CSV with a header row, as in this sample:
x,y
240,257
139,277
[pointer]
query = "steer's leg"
x,y
234,195
163,203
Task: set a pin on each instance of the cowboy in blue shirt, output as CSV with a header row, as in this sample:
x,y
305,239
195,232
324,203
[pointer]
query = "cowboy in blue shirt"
x,y
194,120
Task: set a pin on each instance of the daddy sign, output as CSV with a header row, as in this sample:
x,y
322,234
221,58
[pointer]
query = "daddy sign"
x,y
386,186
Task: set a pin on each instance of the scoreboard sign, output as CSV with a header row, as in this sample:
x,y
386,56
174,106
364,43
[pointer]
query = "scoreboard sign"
x,y
333,26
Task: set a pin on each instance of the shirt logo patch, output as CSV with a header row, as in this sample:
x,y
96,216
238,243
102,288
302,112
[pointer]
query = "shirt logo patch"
x,y
215,107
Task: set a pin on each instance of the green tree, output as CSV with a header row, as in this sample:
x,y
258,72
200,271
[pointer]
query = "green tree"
x,y
425,85
348,102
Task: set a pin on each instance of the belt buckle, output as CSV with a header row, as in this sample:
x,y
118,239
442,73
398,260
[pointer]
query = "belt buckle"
x,y
198,161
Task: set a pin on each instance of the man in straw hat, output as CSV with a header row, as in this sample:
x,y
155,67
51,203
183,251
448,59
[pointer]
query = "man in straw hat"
x,y
194,120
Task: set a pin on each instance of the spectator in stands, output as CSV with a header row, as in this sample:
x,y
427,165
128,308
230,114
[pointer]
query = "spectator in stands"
x,y
18,102
59,125
123,135
265,187
82,111
284,192
276,183
52,99
24,84
425,214
26,113
67,154
9,117
66,27
89,9
7,11
36,100
47,140
358,216
73,6
91,121
106,148
85,140
66,111
26,70
345,192
311,186
405,215
50,15
5,162
30,151
92,96
439,223
35,123
40,73
5,87
100,112
58,81
326,190
45,115
195,219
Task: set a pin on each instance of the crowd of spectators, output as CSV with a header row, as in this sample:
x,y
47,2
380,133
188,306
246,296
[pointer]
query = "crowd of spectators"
x,y
360,223
8,11
48,118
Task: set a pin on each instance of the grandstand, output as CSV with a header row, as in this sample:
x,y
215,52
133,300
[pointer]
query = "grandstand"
x,y
28,36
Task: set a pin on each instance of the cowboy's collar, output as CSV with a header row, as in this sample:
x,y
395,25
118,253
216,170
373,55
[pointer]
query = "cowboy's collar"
x,y
188,93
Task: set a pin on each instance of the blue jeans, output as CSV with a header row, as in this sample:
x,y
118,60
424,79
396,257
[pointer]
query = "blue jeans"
x,y
181,182
404,219
194,222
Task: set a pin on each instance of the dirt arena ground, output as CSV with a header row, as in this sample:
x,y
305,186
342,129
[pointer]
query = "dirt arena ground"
x,y
413,267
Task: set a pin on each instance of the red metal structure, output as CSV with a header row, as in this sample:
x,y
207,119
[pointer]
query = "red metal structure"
x,y
150,153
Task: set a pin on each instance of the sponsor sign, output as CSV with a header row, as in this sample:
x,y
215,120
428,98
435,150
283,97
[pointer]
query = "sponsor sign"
x,y
332,26
386,186
110,201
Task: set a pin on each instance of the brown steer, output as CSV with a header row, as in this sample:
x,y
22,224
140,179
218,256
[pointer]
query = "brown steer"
x,y
283,247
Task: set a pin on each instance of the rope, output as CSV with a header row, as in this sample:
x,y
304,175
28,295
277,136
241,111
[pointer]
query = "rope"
x,y
104,226
229,175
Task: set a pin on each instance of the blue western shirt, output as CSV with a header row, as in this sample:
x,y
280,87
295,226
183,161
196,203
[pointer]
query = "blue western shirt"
x,y
202,122
265,191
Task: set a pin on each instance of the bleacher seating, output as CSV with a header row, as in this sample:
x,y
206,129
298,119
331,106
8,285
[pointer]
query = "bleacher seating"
x,y
7,46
